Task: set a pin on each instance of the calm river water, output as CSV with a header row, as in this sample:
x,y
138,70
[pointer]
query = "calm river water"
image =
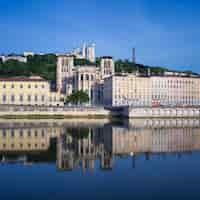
x,y
100,159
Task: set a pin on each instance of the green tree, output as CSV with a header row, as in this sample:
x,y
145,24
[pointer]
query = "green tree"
x,y
82,61
78,133
78,97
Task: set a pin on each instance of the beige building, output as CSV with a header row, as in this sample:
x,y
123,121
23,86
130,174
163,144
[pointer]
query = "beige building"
x,y
129,89
122,90
88,78
32,90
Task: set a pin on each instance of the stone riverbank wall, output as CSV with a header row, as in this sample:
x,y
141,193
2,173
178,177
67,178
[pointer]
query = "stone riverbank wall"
x,y
9,111
131,112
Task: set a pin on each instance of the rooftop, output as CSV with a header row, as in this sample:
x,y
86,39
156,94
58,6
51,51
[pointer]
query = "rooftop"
x,y
23,78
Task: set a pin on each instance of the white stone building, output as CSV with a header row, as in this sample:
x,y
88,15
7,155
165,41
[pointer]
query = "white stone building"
x,y
132,90
88,78
14,57
86,52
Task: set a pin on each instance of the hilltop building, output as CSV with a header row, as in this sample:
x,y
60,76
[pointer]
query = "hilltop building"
x,y
28,53
88,78
14,57
86,52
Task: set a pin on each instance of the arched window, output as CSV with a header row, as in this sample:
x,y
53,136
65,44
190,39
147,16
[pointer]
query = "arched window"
x,y
81,77
87,77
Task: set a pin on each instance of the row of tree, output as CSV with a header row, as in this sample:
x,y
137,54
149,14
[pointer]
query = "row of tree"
x,y
45,66
128,66
77,98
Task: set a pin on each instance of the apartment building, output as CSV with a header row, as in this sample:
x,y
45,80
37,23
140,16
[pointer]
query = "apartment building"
x,y
32,90
132,90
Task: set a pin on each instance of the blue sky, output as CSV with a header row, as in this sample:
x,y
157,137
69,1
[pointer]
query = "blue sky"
x,y
164,32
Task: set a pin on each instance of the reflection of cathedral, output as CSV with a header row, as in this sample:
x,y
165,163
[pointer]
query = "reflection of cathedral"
x,y
73,151
80,146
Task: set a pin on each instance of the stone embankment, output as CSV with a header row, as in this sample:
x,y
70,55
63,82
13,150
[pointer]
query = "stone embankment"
x,y
159,112
11,111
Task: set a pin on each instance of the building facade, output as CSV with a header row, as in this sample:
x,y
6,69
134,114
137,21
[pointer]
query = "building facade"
x,y
88,78
86,52
132,90
32,90
14,57
123,90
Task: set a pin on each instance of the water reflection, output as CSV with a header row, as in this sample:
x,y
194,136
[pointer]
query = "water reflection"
x,y
80,144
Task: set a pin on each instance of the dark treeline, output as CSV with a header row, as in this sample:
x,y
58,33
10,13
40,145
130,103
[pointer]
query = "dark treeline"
x,y
128,66
45,66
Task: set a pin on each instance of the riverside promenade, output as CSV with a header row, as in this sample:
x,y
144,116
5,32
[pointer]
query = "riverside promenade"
x,y
161,112
12,111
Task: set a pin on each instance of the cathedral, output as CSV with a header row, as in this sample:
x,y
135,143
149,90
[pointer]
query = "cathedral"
x,y
89,78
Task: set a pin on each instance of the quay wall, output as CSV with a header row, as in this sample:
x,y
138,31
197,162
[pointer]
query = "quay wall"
x,y
11,110
158,112
127,112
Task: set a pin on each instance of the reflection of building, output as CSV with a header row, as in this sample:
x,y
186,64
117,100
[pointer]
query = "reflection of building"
x,y
105,143
74,146
120,90
28,138
72,151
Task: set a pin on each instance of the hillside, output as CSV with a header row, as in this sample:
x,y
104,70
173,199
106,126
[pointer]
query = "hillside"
x,y
45,66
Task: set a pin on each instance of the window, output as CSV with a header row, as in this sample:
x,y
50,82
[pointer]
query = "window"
x,y
12,133
29,97
36,97
36,86
21,97
12,86
36,134
21,86
12,98
29,133
29,86
87,77
42,85
21,133
4,98
4,86
81,77
4,133
42,132
42,98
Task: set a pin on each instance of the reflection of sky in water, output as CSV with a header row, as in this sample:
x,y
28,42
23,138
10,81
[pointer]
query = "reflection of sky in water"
x,y
110,160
